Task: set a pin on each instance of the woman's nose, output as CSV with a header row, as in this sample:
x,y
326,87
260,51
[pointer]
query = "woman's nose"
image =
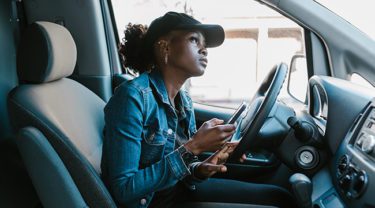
x,y
203,51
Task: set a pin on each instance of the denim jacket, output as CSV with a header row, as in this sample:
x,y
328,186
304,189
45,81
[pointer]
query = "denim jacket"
x,y
139,157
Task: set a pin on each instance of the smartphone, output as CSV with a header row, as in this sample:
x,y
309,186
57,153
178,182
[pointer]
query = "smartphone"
x,y
238,113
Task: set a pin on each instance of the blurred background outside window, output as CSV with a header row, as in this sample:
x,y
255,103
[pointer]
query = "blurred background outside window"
x,y
257,38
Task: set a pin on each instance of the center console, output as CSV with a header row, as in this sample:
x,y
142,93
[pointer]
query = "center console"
x,y
353,167
348,181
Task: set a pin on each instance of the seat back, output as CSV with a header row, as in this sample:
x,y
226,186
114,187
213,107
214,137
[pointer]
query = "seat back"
x,y
51,179
68,114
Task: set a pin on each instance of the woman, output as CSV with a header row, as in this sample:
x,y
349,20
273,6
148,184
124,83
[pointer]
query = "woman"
x,y
151,141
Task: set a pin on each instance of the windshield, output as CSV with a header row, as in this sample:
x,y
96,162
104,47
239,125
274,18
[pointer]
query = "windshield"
x,y
357,12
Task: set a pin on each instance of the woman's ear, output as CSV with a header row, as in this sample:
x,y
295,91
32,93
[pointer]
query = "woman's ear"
x,y
163,46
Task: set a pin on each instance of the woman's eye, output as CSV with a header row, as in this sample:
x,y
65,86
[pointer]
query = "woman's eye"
x,y
194,39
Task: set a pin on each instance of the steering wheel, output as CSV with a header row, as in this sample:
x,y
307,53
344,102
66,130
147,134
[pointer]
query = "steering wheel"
x,y
260,107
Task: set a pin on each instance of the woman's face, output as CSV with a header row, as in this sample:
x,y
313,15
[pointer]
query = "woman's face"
x,y
188,53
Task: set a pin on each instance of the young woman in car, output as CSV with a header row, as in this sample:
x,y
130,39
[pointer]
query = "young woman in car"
x,y
151,141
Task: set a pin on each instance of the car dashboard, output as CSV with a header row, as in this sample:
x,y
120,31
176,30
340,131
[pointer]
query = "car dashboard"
x,y
347,180
353,167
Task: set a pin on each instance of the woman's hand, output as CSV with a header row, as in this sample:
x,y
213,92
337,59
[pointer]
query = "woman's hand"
x,y
215,163
211,136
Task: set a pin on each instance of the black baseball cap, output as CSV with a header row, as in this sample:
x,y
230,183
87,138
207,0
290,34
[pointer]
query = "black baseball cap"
x,y
214,34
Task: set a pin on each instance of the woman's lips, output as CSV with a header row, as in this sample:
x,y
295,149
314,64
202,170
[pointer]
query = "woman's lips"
x,y
204,61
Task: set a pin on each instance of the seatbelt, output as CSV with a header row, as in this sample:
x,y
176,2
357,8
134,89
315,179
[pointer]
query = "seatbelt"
x,y
18,15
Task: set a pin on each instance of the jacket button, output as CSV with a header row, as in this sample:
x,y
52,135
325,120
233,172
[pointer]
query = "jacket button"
x,y
170,131
143,201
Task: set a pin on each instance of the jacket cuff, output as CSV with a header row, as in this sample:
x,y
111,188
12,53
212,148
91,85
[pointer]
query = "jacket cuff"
x,y
177,165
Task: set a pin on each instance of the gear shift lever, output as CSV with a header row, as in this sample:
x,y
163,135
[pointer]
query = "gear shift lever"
x,y
302,189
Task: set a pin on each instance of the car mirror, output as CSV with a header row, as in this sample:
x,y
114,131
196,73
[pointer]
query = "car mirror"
x,y
297,77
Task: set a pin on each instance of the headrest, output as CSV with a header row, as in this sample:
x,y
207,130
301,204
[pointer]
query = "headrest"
x,y
47,52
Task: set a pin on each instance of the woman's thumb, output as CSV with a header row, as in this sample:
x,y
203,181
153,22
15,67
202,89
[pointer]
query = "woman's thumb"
x,y
216,121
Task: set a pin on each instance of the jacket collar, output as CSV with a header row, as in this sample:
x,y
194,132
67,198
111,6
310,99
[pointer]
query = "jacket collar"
x,y
157,81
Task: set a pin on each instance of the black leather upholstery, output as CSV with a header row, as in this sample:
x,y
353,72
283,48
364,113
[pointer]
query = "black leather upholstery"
x,y
68,114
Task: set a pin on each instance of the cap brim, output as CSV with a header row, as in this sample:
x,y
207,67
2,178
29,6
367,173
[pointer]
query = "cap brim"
x,y
214,34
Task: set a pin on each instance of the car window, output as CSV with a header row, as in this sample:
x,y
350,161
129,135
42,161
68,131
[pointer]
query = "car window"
x,y
357,12
358,79
257,38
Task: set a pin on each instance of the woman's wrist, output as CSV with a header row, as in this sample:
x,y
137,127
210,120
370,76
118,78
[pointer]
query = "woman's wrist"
x,y
196,172
192,147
